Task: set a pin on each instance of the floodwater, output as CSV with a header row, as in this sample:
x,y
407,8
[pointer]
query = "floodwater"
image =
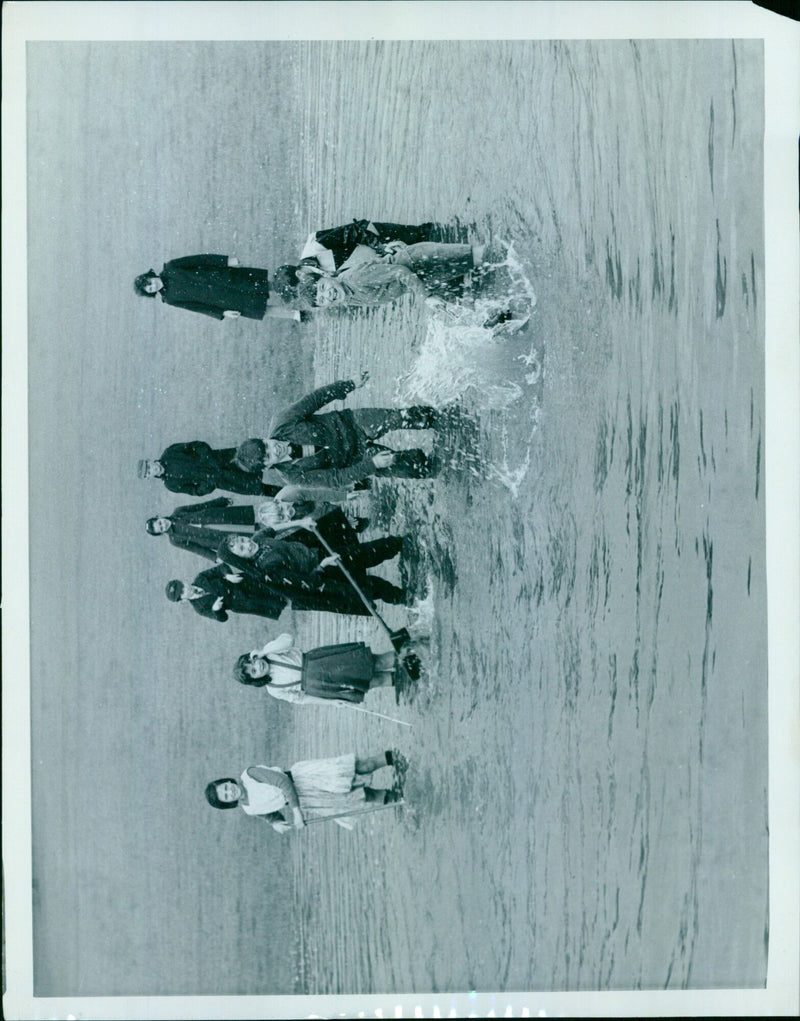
x,y
586,803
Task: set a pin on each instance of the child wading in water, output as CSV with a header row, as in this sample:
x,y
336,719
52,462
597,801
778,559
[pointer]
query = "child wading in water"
x,y
333,788
328,675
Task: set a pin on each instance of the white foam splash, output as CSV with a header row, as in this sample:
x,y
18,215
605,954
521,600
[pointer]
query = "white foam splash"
x,y
421,616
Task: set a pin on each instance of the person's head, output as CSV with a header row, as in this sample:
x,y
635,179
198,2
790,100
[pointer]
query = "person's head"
x,y
273,513
223,793
149,469
175,590
253,670
328,292
276,451
251,456
147,285
240,545
157,526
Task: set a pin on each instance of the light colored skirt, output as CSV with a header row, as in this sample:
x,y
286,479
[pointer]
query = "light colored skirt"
x,y
328,786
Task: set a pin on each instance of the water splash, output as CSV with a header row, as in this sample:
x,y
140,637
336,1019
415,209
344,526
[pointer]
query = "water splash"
x,y
454,360
421,616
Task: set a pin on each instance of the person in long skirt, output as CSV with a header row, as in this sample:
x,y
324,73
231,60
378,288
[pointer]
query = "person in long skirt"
x,y
368,278
308,790
328,675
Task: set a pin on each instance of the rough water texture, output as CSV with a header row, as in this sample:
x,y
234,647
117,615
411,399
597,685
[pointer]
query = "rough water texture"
x,y
587,791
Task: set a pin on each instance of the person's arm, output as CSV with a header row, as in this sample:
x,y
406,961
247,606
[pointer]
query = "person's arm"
x,y
316,494
204,261
338,477
187,509
196,306
283,312
298,697
206,610
277,778
314,401
408,278
282,643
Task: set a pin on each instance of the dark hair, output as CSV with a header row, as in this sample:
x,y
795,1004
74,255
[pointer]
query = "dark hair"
x,y
142,281
211,793
174,590
284,282
242,676
150,526
251,455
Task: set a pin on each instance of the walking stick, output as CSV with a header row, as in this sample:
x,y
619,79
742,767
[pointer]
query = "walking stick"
x,y
372,712
355,811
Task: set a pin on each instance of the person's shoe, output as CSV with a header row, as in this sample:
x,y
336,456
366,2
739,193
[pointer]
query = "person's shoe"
x,y
412,665
363,484
420,416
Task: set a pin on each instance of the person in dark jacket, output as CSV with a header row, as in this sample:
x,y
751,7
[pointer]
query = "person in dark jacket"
x,y
197,469
188,526
214,285
337,448
308,576
216,591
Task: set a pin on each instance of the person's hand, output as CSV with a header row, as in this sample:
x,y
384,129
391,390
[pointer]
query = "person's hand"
x,y
306,522
299,821
231,313
281,827
361,380
233,261
218,604
234,578
394,246
329,562
383,459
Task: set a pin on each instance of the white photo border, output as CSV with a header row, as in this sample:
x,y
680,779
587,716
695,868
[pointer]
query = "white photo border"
x,y
427,19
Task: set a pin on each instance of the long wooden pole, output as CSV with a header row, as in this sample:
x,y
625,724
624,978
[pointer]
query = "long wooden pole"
x,y
355,811
367,602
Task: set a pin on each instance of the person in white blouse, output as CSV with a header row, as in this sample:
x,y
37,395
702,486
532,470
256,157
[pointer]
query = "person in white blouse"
x,y
330,674
336,788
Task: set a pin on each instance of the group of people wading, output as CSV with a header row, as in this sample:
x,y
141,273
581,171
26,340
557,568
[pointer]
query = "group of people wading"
x,y
300,546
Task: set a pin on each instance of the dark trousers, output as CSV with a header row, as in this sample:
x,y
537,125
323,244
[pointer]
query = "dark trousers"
x,y
374,422
370,554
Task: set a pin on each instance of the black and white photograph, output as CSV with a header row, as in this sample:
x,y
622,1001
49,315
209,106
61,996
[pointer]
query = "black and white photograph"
x,y
401,601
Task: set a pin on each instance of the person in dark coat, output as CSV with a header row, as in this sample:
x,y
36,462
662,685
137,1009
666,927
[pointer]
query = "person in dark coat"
x,y
308,576
197,469
337,448
216,591
188,526
214,285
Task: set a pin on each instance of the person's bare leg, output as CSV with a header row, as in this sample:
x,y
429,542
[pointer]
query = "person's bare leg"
x,y
373,762
383,665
